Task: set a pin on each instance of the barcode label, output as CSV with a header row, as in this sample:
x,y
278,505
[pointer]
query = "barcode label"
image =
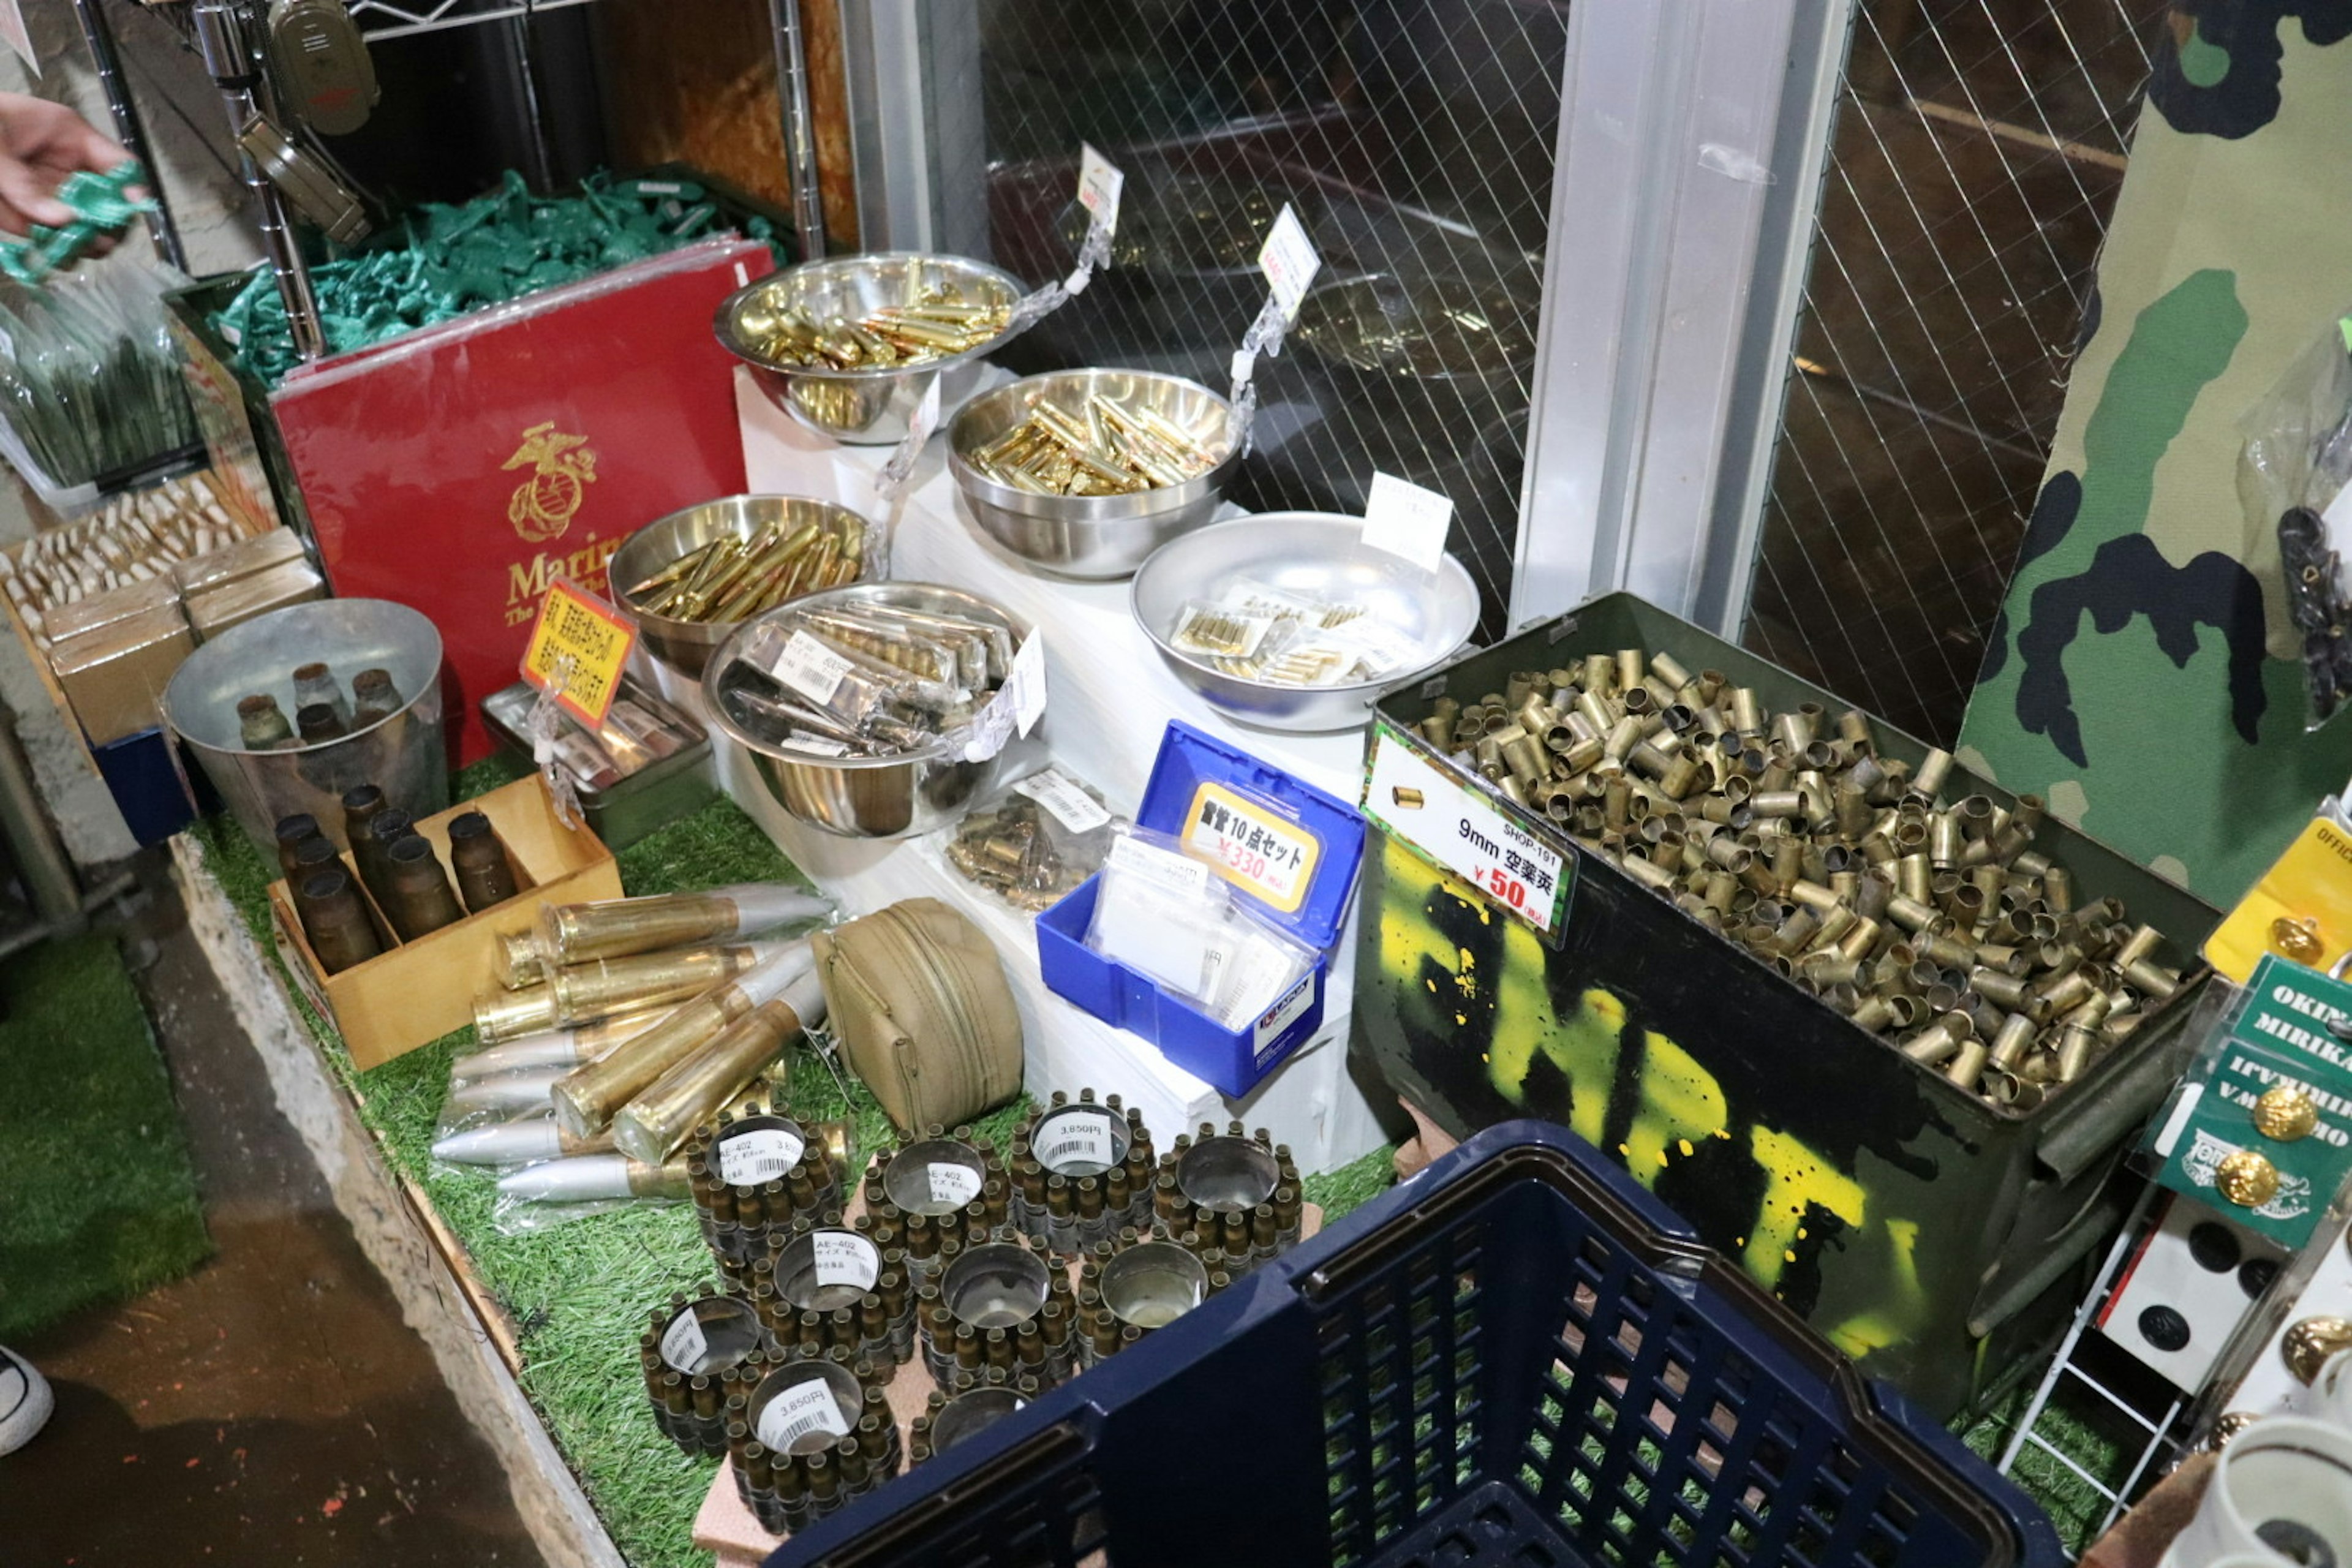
x,y
845,1258
760,1155
1062,795
1078,1137
810,668
798,1411
954,1184
683,1344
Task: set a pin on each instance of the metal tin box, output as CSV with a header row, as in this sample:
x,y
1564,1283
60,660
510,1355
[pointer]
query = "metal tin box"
x,y
1935,1238
650,797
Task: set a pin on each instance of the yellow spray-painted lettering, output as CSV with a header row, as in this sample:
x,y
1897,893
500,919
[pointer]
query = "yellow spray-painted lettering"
x,y
1794,1177
1679,1098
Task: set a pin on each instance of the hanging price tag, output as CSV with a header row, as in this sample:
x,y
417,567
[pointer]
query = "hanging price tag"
x,y
1451,824
1407,521
1026,683
575,625
1099,183
1289,260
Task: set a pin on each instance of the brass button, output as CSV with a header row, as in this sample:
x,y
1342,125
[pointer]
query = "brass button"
x,y
2285,1113
2307,1345
2296,939
2229,1426
2247,1179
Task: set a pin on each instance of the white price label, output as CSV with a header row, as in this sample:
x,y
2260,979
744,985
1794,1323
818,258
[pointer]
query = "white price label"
x,y
760,1155
810,668
1284,1014
1406,520
846,1258
1099,183
1289,260
1061,794
953,1184
1025,684
1451,824
1160,868
798,1411
1076,1137
683,1344
1381,646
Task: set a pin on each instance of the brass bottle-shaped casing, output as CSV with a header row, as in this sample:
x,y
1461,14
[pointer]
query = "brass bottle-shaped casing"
x,y
421,899
335,921
484,874
587,1098
570,933
660,1118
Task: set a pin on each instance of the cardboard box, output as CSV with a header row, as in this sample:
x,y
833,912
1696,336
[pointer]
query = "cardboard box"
x,y
414,993
240,599
85,616
115,676
273,547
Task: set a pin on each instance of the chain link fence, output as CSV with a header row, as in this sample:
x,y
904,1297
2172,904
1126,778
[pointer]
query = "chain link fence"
x,y
1977,151
1415,138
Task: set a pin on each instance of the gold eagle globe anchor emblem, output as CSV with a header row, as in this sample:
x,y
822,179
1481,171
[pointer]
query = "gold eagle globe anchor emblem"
x,y
562,467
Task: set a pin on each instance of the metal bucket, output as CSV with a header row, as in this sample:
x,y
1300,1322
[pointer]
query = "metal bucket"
x,y
404,754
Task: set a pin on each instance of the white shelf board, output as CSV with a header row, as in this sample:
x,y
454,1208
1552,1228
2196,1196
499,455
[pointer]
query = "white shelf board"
x,y
1109,700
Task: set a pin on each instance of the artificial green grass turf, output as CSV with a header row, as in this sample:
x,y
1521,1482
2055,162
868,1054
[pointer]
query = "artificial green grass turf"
x,y
98,1201
579,1293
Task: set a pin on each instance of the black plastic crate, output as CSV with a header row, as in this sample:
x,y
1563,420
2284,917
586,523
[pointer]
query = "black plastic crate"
x,y
1941,1241
1521,1358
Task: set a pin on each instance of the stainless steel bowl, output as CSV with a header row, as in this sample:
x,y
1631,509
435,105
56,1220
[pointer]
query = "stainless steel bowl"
x,y
404,754
871,406
863,797
1094,537
686,645
1315,554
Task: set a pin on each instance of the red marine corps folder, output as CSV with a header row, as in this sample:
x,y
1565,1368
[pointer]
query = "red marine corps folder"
x,y
461,468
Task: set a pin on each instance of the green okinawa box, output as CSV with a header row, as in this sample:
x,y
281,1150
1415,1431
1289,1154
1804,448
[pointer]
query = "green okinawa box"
x,y
1940,1240
241,434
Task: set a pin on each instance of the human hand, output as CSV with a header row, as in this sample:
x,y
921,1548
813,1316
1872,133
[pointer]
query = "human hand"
x,y
40,145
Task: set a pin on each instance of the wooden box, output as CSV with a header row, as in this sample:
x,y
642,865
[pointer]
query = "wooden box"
x,y
414,993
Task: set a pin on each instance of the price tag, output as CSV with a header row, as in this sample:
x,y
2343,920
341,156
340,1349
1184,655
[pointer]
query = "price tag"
x,y
1161,868
1383,649
1289,260
1099,183
846,1258
800,1410
1406,520
758,1155
1451,824
1076,1137
953,1184
574,625
1026,682
810,668
1062,795
1261,853
683,1344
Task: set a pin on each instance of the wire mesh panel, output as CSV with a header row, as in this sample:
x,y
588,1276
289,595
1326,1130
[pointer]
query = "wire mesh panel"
x,y
1977,151
1414,139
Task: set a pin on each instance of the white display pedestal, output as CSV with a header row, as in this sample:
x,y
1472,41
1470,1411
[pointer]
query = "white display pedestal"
x,y
1109,701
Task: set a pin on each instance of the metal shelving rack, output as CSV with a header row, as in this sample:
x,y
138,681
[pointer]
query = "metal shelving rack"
x,y
225,33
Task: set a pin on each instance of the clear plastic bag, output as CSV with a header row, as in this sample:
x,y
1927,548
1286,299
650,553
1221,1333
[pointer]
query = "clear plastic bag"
x,y
2293,477
1171,918
546,1193
868,680
1034,842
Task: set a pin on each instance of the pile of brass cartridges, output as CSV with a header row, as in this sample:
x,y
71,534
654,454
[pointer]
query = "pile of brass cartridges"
x,y
1934,922
942,322
732,579
1104,449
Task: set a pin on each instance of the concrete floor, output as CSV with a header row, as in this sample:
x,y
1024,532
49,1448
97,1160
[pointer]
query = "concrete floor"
x,y
272,1407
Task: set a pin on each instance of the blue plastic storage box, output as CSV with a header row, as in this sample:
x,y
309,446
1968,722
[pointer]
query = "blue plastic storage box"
x,y
1520,1360
1195,778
